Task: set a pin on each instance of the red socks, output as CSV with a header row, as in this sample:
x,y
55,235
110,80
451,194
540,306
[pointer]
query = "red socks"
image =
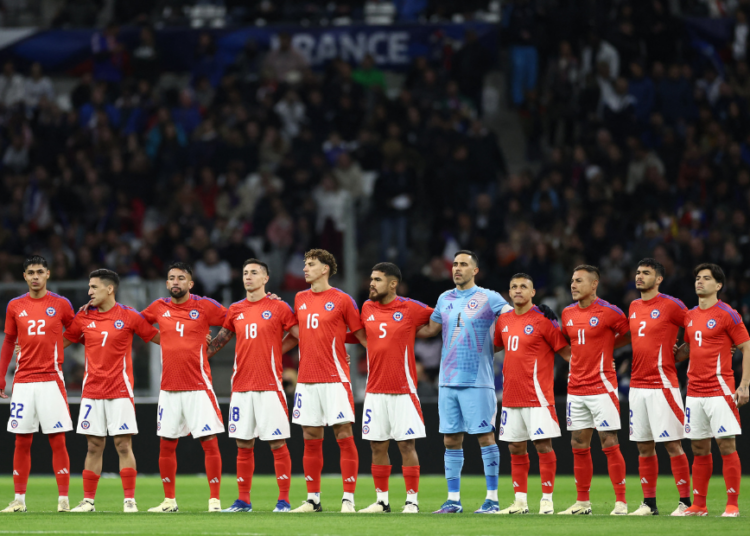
x,y
411,479
380,476
703,466
22,462
127,476
213,465
617,471
60,462
312,464
648,468
583,469
519,471
547,470
90,482
245,470
681,472
349,463
732,477
168,465
282,463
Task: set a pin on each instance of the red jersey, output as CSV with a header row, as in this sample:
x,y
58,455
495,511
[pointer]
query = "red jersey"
x,y
323,318
592,333
108,337
530,342
37,325
391,330
260,328
711,333
653,329
183,329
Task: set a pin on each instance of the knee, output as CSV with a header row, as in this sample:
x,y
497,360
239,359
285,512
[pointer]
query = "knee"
x,y
700,448
517,449
487,440
407,447
453,441
23,442
543,447
379,447
609,440
95,446
727,447
674,448
342,431
647,449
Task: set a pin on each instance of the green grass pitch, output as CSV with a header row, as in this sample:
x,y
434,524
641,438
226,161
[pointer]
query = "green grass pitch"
x,y
192,497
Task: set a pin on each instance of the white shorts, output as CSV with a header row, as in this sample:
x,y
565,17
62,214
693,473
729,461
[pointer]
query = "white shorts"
x,y
188,412
258,414
711,416
522,424
656,415
323,404
114,416
593,411
392,416
39,405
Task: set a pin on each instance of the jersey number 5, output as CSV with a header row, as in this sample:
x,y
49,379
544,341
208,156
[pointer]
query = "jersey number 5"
x,y
383,333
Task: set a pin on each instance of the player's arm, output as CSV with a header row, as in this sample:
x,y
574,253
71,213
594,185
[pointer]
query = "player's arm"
x,y
156,339
361,337
742,394
289,342
67,343
6,355
622,340
429,330
564,353
220,341
681,353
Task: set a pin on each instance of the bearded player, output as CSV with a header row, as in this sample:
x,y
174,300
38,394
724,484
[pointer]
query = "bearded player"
x,y
107,405
711,329
35,322
530,341
656,411
594,328
324,394
392,409
187,402
258,405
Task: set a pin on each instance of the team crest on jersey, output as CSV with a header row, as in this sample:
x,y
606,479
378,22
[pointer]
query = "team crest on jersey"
x,y
266,315
194,314
51,311
711,324
594,321
365,429
528,330
398,316
232,428
330,306
85,425
655,314
119,324
14,423
473,304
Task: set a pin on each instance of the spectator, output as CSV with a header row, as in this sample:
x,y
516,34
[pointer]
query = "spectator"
x,y
285,63
146,63
348,174
368,75
519,23
393,201
291,111
470,66
213,273
108,55
597,51
38,87
12,85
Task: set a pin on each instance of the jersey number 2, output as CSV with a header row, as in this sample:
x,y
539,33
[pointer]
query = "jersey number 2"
x,y
640,330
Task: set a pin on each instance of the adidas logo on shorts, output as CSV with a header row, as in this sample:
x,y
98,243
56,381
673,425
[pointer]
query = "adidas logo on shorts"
x,y
277,432
484,423
410,432
206,428
340,415
539,431
604,423
124,427
58,425
664,434
721,430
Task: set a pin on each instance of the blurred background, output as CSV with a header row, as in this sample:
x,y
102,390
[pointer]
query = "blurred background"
x,y
541,134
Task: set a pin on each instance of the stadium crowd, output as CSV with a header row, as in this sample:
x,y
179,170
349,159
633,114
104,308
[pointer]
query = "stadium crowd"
x,y
637,146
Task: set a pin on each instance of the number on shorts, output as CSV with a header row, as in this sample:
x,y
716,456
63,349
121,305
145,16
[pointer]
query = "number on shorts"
x,y
368,416
581,336
161,412
251,331
235,414
38,326
503,417
180,328
631,417
382,330
298,400
18,408
699,338
687,414
569,404
312,321
640,330
513,343
105,334
88,410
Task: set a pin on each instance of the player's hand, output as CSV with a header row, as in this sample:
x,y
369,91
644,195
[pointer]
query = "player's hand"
x,y
675,348
348,359
208,338
85,308
548,313
271,296
741,396
17,349
2,394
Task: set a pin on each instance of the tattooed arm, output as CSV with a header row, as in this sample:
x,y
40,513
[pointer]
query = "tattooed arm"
x,y
219,341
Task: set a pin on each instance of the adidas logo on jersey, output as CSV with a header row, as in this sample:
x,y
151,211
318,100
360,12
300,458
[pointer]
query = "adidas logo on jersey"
x,y
690,325
632,316
58,425
241,317
282,477
276,432
410,432
539,431
505,329
124,427
303,307
350,479
23,313
340,415
308,478
731,490
214,480
721,430
664,434
62,472
92,325
570,323
167,315
206,428
371,318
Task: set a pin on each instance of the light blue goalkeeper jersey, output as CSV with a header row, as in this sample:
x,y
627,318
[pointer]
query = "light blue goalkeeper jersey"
x,y
468,317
